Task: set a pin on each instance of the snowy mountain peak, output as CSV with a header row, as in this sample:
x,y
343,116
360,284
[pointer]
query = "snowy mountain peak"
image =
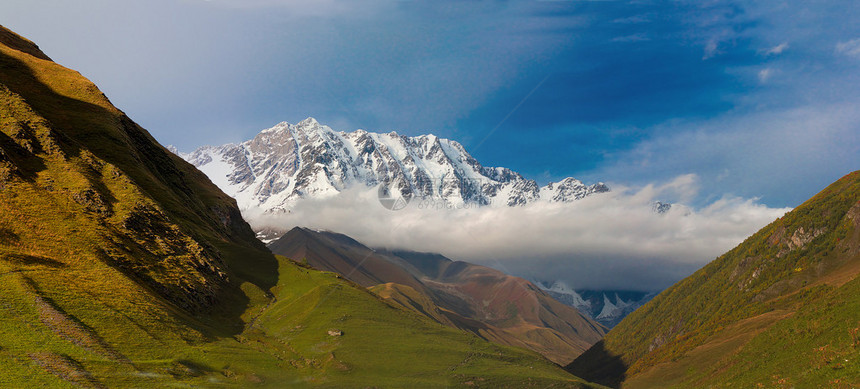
x,y
609,309
595,303
308,122
660,207
287,163
621,304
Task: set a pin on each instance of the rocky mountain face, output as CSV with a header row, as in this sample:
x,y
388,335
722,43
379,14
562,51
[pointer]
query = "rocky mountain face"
x,y
495,306
289,162
780,310
607,307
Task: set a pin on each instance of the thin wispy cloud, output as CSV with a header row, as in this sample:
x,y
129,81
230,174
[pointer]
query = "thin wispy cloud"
x,y
764,75
748,154
850,48
711,49
632,38
777,50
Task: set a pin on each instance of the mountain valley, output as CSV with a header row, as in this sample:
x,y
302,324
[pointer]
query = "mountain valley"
x,y
124,266
125,263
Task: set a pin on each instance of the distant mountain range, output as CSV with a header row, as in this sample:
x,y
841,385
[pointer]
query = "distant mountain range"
x,y
607,307
287,163
290,162
495,306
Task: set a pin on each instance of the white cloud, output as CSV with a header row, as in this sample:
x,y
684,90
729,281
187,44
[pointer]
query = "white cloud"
x,y
711,49
788,153
850,48
778,49
611,240
764,75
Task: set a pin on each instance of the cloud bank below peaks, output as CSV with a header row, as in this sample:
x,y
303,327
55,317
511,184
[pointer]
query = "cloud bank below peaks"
x,y
609,240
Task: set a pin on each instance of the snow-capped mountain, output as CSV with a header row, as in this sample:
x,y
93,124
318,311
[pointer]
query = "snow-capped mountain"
x,y
563,293
661,208
287,163
607,307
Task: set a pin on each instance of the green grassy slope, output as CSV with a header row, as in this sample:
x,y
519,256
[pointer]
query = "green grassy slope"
x,y
495,306
379,343
411,299
779,309
59,330
123,266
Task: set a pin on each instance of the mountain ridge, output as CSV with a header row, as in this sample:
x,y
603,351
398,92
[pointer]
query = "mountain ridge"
x,y
501,308
285,163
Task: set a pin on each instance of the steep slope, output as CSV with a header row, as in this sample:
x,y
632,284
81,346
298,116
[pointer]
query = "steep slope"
x,y
495,306
82,184
124,266
287,163
780,309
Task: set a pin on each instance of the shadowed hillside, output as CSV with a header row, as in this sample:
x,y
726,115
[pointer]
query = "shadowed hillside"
x,y
83,183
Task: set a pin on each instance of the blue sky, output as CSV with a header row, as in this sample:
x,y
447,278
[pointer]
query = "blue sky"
x,y
756,99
